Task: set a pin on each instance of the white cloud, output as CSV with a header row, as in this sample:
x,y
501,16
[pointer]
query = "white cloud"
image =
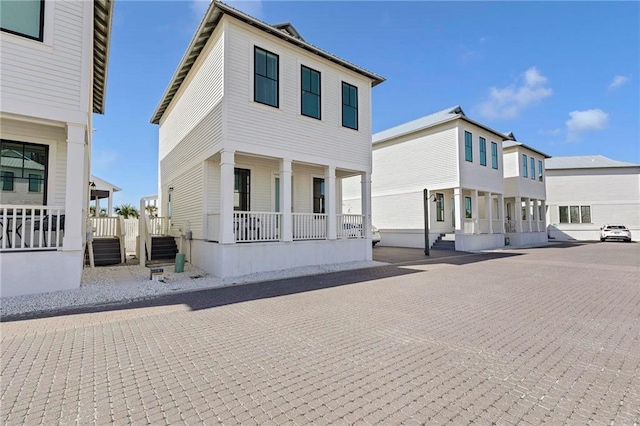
x,y
618,80
585,121
509,101
552,132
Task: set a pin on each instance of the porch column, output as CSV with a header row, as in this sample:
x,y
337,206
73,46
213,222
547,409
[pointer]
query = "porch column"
x,y
517,214
527,215
366,203
285,200
543,218
75,209
457,201
535,214
330,201
227,164
501,212
110,203
488,205
97,206
474,211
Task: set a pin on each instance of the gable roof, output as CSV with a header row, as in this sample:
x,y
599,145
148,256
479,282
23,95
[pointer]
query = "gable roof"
x,y
439,117
102,16
103,185
209,23
513,143
585,162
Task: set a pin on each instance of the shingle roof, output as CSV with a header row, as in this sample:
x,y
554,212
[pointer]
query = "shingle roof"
x,y
585,162
513,143
209,23
442,116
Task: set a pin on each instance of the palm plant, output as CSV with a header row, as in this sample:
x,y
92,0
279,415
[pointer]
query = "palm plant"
x,y
126,210
92,212
152,210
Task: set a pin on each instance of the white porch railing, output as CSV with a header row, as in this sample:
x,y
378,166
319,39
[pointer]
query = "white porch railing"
x,y
130,235
31,227
483,226
496,225
469,226
541,226
158,225
309,226
350,226
105,226
510,226
256,226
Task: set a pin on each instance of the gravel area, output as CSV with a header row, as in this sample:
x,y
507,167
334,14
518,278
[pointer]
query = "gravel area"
x,y
123,283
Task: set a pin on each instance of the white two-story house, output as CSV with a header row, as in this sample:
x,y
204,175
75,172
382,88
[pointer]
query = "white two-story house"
x,y
524,193
53,72
257,129
458,161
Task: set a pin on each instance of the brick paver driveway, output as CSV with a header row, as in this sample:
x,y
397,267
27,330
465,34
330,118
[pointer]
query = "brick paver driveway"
x,y
540,336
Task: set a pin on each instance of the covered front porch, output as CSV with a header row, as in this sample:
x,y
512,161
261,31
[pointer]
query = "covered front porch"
x,y
263,213
525,221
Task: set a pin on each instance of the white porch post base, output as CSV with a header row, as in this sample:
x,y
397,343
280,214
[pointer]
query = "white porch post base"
x,y
457,200
488,204
366,203
76,187
285,200
227,164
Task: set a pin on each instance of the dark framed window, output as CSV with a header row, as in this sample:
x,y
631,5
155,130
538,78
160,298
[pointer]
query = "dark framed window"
x,y
524,166
440,207
533,168
575,214
24,18
483,152
468,212
7,180
468,146
265,77
318,195
24,170
310,96
494,155
349,106
564,214
242,190
540,170
585,214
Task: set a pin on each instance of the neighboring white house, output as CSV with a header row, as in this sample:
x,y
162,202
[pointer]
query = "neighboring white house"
x,y
52,77
587,192
458,160
256,130
524,193
100,190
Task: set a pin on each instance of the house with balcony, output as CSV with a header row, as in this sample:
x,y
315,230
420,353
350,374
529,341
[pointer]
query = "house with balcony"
x,y
52,78
586,192
524,193
257,130
459,161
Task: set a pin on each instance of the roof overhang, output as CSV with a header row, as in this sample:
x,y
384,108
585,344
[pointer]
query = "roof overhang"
x,y
520,144
102,17
211,19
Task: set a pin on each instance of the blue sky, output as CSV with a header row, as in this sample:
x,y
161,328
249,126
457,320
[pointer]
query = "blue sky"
x,y
563,76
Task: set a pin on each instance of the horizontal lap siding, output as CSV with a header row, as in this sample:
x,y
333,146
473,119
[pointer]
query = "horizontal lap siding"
x,y
473,174
284,130
187,203
39,75
55,138
399,211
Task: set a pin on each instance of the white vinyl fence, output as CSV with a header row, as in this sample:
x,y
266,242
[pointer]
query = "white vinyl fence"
x,y
131,233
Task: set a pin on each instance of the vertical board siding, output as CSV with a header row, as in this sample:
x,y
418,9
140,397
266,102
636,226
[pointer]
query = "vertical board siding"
x,y
284,128
50,77
187,204
55,138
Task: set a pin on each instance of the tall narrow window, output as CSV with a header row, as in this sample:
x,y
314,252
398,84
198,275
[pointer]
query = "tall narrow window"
x,y
440,207
318,195
242,190
310,92
533,168
585,214
349,106
574,214
483,151
24,18
494,155
468,146
468,213
564,214
7,180
540,170
524,166
265,78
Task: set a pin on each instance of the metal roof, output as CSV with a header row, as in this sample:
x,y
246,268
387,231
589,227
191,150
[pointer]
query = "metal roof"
x,y
102,16
514,143
103,185
442,116
585,162
207,26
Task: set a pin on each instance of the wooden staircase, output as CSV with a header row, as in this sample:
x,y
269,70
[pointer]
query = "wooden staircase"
x,y
163,248
106,251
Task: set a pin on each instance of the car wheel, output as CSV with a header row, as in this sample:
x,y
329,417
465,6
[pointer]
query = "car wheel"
x,y
374,244
602,239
